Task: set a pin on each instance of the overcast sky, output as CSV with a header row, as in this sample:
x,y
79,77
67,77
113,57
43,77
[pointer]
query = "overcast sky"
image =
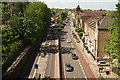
x,y
79,0
84,4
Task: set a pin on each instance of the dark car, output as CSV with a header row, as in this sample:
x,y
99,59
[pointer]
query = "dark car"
x,y
73,33
74,56
68,67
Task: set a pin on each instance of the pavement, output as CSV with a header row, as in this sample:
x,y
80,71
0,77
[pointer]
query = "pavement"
x,y
93,63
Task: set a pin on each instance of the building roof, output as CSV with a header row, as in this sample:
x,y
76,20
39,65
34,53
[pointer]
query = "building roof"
x,y
106,22
94,13
103,23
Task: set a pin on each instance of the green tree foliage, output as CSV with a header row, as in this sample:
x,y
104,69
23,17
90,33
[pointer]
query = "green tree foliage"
x,y
62,16
114,40
80,34
78,29
25,22
12,8
37,18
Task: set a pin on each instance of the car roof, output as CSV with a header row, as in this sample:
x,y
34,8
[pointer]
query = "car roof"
x,y
73,54
67,63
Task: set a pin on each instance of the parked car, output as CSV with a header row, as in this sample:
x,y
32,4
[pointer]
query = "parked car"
x,y
74,56
77,40
43,54
75,37
68,67
73,33
68,40
103,63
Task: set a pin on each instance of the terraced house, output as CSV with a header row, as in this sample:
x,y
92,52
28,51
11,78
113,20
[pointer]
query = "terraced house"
x,y
95,26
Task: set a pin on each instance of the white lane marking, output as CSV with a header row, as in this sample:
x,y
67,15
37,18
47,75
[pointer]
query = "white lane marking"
x,y
75,53
74,77
34,74
82,70
43,74
85,59
35,69
86,78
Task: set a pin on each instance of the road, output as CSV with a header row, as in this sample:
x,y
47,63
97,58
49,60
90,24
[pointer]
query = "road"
x,y
84,62
50,69
68,48
46,65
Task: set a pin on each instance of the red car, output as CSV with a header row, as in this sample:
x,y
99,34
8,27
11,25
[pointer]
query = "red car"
x,y
75,37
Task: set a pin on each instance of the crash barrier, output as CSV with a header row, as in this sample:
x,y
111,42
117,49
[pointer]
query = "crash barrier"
x,y
14,56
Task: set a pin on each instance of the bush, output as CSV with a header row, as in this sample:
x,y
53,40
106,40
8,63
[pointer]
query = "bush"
x,y
83,39
78,30
80,34
116,70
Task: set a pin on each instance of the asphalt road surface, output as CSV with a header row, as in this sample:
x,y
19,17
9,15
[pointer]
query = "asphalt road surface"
x,y
50,67
67,49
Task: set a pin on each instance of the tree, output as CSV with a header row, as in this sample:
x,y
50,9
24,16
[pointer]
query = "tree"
x,y
114,39
62,16
25,22
37,18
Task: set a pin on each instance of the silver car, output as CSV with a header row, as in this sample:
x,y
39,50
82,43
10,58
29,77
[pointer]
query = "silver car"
x,y
68,67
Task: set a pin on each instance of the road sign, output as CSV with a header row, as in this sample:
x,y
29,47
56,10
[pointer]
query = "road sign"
x,y
36,66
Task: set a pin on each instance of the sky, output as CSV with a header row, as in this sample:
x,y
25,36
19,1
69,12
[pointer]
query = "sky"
x,y
84,4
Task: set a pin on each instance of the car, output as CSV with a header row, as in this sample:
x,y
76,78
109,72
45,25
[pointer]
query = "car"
x,y
103,63
74,56
75,37
68,67
68,40
73,33
43,54
77,40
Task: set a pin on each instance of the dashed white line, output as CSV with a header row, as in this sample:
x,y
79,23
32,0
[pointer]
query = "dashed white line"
x,y
79,61
82,70
34,74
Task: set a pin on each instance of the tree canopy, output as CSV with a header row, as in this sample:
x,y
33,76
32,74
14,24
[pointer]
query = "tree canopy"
x,y
114,39
23,22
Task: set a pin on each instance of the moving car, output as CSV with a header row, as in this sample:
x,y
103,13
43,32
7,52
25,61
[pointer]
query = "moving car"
x,y
77,40
103,63
74,56
68,40
68,67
